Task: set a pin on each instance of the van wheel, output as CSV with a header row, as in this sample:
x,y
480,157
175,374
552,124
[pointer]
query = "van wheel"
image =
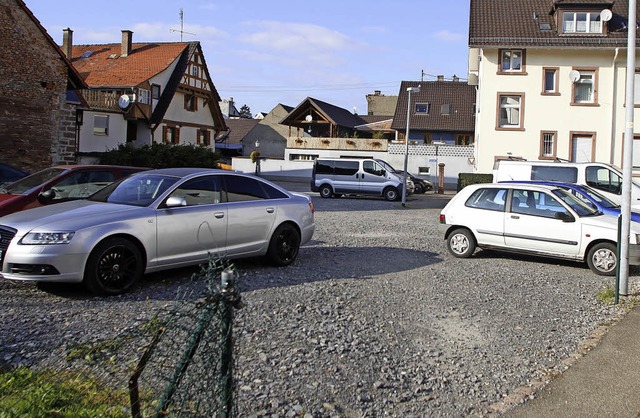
x,y
326,191
602,259
391,194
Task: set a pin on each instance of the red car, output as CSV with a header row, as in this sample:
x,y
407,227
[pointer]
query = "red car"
x,y
59,184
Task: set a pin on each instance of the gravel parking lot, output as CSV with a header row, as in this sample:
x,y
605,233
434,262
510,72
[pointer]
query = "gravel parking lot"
x,y
373,319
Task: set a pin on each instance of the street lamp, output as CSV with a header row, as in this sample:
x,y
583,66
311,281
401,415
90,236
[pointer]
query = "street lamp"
x,y
406,143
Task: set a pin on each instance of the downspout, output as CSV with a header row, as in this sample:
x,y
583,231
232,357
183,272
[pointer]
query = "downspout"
x,y
613,108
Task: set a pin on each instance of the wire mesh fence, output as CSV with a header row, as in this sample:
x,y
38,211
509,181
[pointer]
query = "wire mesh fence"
x,y
178,363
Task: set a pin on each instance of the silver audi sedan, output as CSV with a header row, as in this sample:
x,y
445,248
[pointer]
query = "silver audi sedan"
x,y
155,220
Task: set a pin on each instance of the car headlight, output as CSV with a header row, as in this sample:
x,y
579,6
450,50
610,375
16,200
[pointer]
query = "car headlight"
x,y
47,238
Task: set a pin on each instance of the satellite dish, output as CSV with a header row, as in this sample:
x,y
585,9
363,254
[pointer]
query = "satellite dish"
x,y
574,75
606,15
124,102
308,118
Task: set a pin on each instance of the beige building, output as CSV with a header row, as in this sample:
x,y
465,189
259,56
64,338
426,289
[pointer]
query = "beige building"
x,y
551,81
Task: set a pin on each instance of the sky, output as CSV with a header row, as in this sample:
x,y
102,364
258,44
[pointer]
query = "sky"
x,y
261,53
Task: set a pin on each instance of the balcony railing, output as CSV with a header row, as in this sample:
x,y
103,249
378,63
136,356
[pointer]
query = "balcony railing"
x,y
353,144
103,100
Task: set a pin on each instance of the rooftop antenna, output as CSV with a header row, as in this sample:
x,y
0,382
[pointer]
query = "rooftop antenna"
x,y
181,31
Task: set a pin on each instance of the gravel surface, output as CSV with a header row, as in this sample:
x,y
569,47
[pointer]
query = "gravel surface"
x,y
373,319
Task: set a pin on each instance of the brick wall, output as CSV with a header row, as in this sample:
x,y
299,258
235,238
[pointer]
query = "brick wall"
x,y
35,121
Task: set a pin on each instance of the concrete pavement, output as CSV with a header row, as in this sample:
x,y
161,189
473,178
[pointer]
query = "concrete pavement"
x,y
603,383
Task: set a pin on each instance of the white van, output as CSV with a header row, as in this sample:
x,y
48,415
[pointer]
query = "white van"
x,y
606,178
337,176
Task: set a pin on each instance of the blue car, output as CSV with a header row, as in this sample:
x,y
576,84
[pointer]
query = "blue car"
x,y
9,174
588,195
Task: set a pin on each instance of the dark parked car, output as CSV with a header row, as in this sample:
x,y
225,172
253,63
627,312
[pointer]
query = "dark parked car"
x,y
9,174
59,184
421,185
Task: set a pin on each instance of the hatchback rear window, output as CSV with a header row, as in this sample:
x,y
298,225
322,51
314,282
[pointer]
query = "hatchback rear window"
x,y
490,198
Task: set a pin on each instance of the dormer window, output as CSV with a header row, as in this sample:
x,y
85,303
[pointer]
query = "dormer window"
x,y
581,22
422,108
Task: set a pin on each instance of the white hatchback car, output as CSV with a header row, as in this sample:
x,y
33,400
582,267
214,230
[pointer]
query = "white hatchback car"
x,y
533,219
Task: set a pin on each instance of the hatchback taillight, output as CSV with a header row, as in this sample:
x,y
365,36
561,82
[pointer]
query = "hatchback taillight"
x,y
311,207
442,219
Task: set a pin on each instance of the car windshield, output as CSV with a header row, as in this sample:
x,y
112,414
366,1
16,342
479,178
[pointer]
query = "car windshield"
x,y
580,207
605,202
24,185
136,190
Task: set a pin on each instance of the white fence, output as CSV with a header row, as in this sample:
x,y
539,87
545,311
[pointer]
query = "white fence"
x,y
422,160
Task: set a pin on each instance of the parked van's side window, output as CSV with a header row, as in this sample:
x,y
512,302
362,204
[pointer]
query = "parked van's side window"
x,y
346,168
372,168
554,173
602,178
324,167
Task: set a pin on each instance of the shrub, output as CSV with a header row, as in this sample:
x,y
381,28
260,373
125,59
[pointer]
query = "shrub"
x,y
161,156
465,179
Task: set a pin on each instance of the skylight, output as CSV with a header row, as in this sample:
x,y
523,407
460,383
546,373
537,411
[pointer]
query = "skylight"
x,y
87,54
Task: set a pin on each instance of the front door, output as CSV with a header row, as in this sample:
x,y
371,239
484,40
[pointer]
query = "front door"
x,y
531,225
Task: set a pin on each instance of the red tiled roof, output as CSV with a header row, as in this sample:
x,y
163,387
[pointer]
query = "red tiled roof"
x,y
145,61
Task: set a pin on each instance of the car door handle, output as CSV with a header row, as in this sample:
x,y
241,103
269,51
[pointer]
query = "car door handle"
x,y
270,210
515,217
219,215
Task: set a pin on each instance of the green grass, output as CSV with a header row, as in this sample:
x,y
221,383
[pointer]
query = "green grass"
x,y
607,295
26,393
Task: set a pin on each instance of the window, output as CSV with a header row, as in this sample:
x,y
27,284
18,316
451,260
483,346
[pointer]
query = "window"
x,y
584,89
204,137
101,124
511,61
190,102
144,96
199,191
550,81
194,70
548,145
636,93
602,178
510,111
171,135
490,199
445,109
554,173
240,189
373,168
302,157
427,137
423,108
155,91
581,22
464,139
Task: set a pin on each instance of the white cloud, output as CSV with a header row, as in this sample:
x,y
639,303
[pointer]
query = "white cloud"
x,y
286,36
445,35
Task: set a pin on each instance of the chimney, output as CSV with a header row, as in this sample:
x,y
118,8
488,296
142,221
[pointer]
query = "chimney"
x,y
67,42
440,78
125,49
455,78
377,92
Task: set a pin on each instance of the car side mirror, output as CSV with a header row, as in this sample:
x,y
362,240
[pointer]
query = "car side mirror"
x,y
175,201
47,196
565,217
